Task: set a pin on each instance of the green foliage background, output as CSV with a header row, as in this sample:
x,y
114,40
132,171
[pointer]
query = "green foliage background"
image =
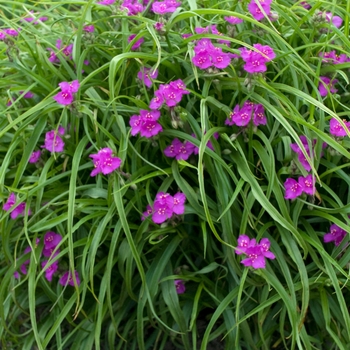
x,y
127,299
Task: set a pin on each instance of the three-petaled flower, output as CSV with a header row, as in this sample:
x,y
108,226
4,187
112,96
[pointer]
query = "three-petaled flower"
x,y
66,95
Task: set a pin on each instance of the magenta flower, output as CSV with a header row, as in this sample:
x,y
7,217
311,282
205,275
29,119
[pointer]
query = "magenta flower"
x,y
137,44
327,85
333,58
308,184
161,213
170,94
104,162
335,235
293,189
335,20
23,267
207,55
146,75
179,203
255,10
66,50
147,213
35,156
66,96
259,117
256,253
106,2
243,243
265,248
180,286
50,270
11,32
146,123
305,5
266,51
233,20
51,240
133,7
17,210
53,142
161,8
67,278
179,150
89,28
336,129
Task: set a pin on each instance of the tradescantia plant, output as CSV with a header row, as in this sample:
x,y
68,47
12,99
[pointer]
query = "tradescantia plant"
x,y
174,174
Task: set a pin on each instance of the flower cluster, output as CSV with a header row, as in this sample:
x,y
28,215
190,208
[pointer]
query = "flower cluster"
x,y
256,253
163,7
66,95
50,250
15,210
53,142
336,129
249,112
255,60
207,55
170,94
335,235
146,75
104,162
255,7
9,32
146,123
295,188
165,207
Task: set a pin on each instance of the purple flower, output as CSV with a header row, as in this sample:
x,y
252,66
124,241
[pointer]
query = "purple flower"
x,y
67,278
327,85
335,235
161,213
209,144
53,142
305,4
158,26
161,8
259,117
133,7
17,210
137,44
89,28
66,50
179,203
293,189
180,286
335,20
147,75
66,95
265,248
147,213
104,162
243,243
266,51
233,20
255,11
23,267
50,270
35,156
11,32
332,58
336,129
308,184
51,240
